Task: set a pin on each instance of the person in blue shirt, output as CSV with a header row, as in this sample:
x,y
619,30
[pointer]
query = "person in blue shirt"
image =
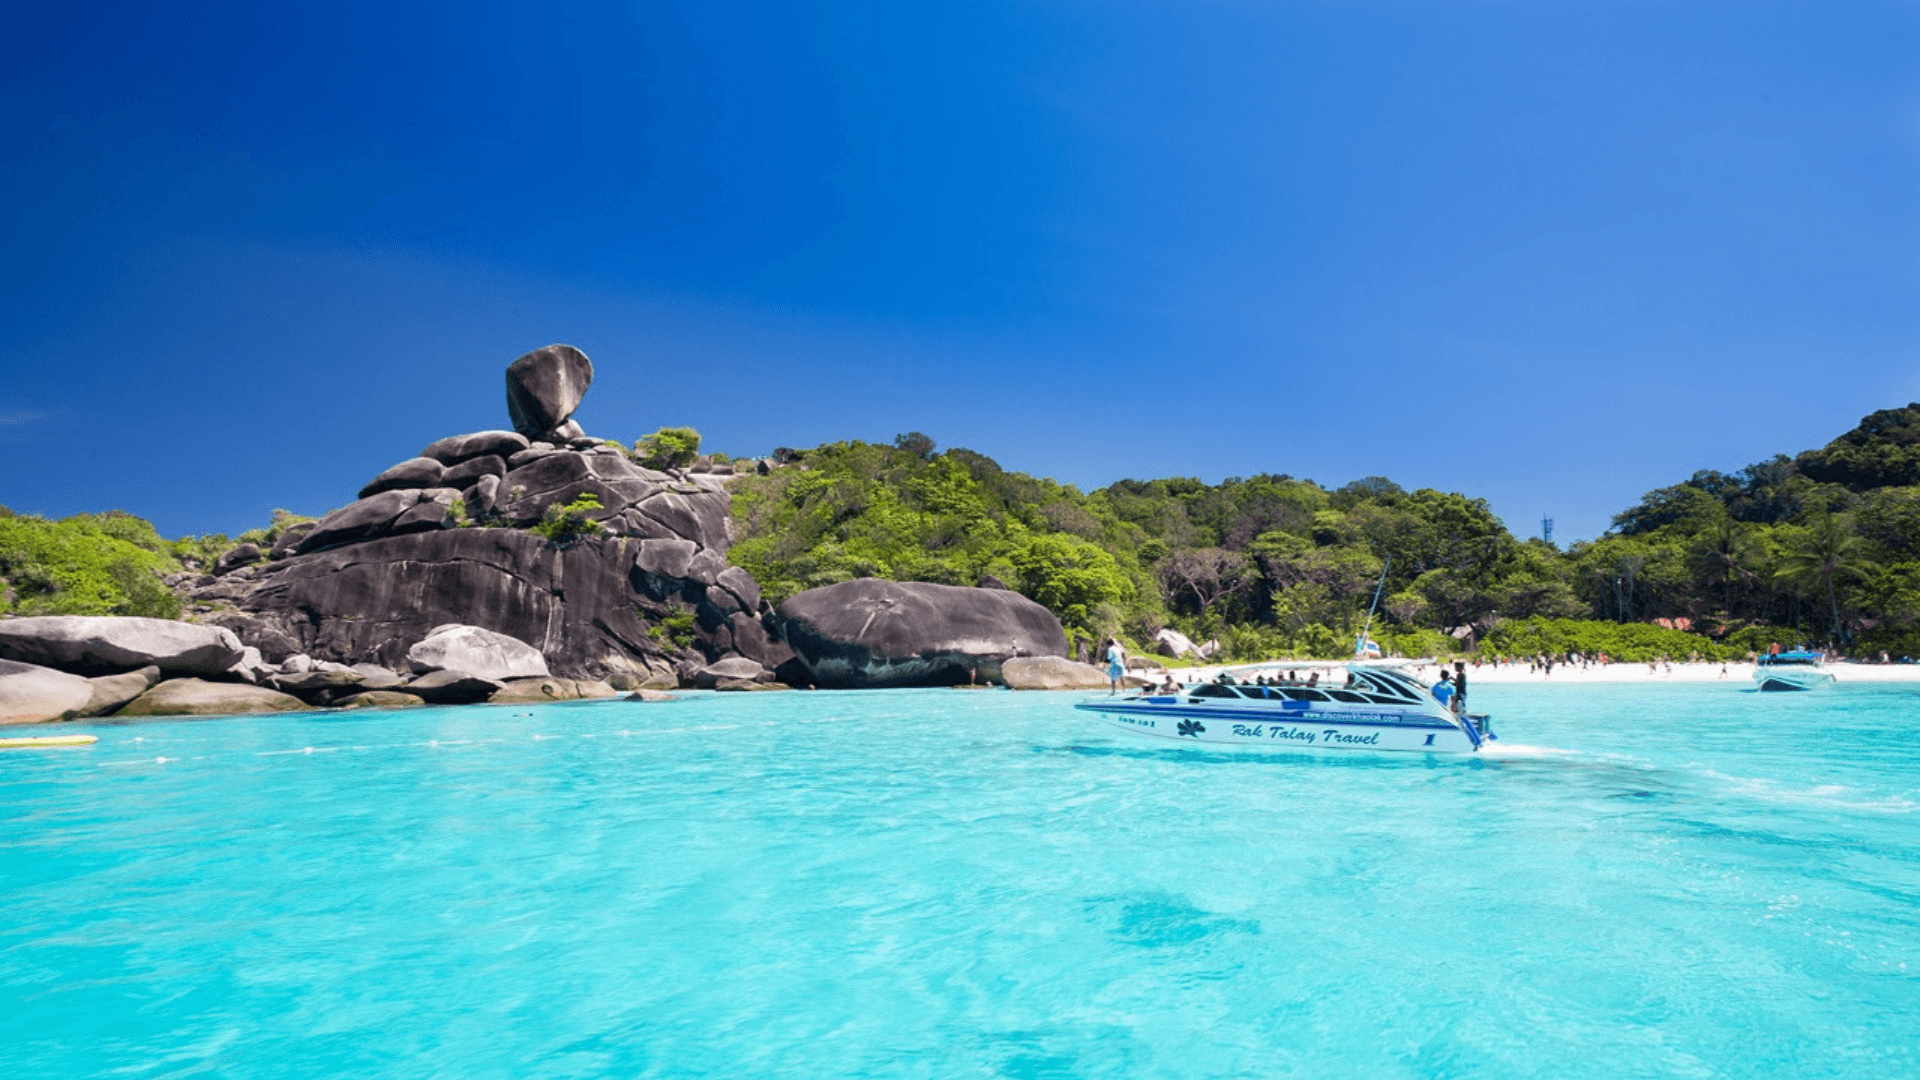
x,y
1116,664
1443,690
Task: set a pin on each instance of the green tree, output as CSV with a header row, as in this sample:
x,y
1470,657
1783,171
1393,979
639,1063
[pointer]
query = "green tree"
x,y
668,448
1820,558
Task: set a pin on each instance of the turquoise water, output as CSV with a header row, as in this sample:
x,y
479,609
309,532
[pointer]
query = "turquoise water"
x,y
1683,880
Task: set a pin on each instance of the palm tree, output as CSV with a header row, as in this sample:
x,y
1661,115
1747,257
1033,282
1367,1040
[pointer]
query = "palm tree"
x,y
1726,553
1822,557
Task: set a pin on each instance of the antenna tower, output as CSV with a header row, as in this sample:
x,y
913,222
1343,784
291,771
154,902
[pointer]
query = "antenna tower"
x,y
1546,528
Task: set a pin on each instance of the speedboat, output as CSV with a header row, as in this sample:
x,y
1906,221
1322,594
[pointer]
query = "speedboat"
x,y
1796,670
1379,708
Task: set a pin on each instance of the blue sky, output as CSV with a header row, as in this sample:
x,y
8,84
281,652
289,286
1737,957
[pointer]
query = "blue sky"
x,y
1553,255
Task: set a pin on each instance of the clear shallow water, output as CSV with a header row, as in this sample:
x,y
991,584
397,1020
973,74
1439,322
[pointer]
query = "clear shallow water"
x,y
1680,880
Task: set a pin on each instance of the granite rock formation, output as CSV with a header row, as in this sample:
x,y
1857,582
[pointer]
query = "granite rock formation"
x,y
874,633
110,644
476,651
32,694
544,387
1051,673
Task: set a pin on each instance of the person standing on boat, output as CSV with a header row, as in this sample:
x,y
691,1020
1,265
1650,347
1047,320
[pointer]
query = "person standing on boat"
x,y
1459,687
1443,690
1116,665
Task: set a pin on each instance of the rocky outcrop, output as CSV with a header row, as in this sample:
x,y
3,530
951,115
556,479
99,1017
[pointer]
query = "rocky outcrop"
x,y
634,501
236,557
197,697
1051,673
390,513
478,652
108,644
370,602
874,633
32,694
545,386
733,669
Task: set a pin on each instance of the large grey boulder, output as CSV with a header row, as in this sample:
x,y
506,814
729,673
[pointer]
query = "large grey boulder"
x,y
545,386
390,513
31,694
874,633
1171,642
105,644
420,472
455,449
196,697
734,668
236,557
112,691
1051,673
290,538
477,651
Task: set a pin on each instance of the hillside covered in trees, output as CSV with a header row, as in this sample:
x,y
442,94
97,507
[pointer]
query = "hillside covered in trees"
x,y
1822,547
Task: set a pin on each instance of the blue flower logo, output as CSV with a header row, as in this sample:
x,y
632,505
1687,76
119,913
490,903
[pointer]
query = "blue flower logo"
x,y
1191,728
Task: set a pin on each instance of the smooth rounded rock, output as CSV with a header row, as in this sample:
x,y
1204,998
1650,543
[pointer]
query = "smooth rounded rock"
x,y
545,386
874,633
197,697
420,472
108,644
451,688
477,651
31,694
1051,673
112,691
536,691
379,699
455,449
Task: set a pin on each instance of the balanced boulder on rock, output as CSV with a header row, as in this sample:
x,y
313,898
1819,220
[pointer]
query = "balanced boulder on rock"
x,y
545,386
874,633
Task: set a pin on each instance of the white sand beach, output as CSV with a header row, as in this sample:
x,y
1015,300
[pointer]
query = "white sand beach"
x,y
1736,671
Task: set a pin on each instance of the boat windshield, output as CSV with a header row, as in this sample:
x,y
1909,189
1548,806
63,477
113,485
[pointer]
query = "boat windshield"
x,y
1805,659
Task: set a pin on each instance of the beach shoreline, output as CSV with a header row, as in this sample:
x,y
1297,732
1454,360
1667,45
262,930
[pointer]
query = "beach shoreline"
x,y
1738,672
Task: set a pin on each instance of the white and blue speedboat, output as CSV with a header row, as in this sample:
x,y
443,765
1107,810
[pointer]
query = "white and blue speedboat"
x,y
1379,708
1795,670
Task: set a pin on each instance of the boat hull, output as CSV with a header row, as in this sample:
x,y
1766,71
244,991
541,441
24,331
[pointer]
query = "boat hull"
x,y
1786,681
1294,729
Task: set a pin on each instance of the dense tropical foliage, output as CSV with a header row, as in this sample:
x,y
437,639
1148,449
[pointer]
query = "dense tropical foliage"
x,y
1823,547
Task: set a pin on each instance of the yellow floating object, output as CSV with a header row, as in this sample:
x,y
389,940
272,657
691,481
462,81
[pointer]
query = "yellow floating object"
x,y
47,740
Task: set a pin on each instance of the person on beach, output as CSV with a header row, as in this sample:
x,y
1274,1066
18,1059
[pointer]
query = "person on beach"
x,y
1116,665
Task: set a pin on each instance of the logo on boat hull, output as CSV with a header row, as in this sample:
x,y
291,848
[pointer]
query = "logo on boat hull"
x,y
1191,728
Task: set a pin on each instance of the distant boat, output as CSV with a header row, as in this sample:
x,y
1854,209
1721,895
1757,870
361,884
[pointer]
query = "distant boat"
x,y
1379,708
1796,670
